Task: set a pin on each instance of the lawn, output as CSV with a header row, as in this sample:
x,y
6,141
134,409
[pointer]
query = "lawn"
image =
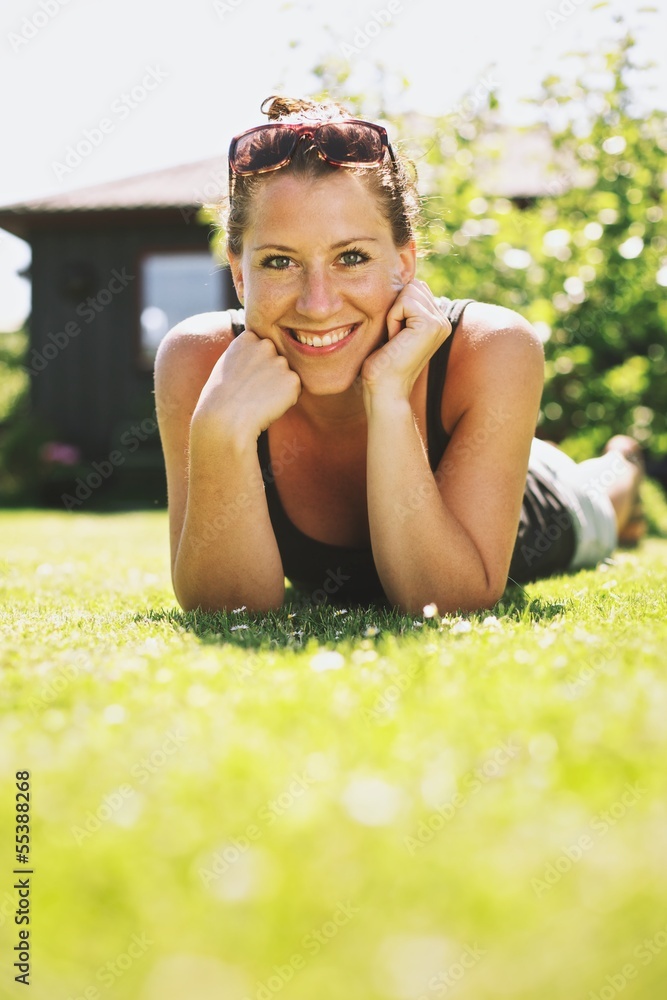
x,y
329,804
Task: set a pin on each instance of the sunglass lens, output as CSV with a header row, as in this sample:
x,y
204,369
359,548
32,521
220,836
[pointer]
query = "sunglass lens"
x,y
350,143
263,149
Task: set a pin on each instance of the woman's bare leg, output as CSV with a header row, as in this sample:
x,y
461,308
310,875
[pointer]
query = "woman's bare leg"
x,y
624,491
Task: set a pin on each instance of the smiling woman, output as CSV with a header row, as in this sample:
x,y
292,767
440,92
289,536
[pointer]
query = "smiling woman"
x,y
335,429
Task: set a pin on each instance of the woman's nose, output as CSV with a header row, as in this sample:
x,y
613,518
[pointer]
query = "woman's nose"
x,y
318,296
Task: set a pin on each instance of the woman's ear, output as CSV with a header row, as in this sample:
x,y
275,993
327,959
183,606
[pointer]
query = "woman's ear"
x,y
408,259
237,275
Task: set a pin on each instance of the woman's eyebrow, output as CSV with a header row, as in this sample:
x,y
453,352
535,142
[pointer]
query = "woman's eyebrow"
x,y
354,239
334,246
273,246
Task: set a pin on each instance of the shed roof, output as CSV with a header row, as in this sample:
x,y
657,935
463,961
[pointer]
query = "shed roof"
x,y
167,194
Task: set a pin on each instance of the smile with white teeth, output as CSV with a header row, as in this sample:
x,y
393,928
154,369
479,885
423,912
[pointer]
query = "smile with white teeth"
x,y
326,340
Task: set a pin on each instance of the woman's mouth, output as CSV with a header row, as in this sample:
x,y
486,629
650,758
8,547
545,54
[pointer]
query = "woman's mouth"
x,y
321,339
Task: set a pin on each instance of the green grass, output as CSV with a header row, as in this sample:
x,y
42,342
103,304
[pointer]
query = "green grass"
x,y
375,806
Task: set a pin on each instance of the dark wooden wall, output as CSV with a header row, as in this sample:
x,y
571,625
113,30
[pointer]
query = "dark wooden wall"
x,y
92,387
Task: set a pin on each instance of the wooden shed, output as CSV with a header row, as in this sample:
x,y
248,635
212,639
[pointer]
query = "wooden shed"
x,y
114,266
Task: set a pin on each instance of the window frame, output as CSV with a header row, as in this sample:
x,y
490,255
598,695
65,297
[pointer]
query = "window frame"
x,y
142,362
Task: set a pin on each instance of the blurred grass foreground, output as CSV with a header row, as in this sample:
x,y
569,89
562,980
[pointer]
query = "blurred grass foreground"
x,y
330,803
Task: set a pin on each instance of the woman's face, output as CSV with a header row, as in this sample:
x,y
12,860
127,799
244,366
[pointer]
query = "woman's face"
x,y
319,267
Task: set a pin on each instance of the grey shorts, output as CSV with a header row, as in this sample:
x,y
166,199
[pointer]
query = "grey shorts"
x,y
583,486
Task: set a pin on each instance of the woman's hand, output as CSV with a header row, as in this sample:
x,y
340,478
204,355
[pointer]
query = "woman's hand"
x,y
416,328
249,388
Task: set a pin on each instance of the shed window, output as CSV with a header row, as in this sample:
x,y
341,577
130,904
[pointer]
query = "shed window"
x,y
173,287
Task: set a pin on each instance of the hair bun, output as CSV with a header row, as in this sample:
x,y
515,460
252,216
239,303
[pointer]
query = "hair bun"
x,y
278,107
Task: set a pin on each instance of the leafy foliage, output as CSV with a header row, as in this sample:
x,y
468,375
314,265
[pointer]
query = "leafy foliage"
x,y
585,260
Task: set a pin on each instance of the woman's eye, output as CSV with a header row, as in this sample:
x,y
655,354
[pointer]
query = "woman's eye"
x,y
352,257
276,263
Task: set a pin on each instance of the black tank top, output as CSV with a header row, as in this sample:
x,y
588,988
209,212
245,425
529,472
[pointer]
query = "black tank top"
x,y
341,574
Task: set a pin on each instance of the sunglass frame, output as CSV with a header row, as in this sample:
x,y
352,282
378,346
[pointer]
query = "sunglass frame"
x,y
306,128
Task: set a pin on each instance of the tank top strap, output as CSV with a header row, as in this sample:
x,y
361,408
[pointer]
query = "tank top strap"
x,y
438,439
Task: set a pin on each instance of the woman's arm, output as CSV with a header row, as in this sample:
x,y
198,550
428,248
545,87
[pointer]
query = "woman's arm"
x,y
448,538
214,395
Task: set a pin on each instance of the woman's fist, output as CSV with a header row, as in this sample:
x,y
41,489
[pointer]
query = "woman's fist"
x,y
416,327
250,386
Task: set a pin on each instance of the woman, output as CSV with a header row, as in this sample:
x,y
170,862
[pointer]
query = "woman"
x,y
347,429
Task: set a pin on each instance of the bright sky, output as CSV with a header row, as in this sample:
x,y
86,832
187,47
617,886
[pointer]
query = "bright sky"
x,y
66,64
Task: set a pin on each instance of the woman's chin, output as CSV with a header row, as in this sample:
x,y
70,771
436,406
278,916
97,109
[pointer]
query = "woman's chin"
x,y
331,384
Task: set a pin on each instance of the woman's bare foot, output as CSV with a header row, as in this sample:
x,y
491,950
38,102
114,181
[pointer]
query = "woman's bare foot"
x,y
629,510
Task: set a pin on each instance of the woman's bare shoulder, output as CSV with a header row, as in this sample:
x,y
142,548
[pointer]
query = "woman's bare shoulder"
x,y
197,341
495,351
187,354
208,326
494,340
482,321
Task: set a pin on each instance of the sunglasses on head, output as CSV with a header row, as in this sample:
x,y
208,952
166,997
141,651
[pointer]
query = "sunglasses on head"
x,y
349,143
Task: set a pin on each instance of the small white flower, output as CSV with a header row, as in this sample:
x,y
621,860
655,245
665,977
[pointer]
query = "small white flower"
x,y
492,622
430,610
461,627
328,659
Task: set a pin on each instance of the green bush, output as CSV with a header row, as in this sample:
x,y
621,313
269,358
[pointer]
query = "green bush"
x,y
586,261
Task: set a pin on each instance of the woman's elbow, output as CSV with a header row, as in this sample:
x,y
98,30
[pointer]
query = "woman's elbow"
x,y
453,600
196,599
